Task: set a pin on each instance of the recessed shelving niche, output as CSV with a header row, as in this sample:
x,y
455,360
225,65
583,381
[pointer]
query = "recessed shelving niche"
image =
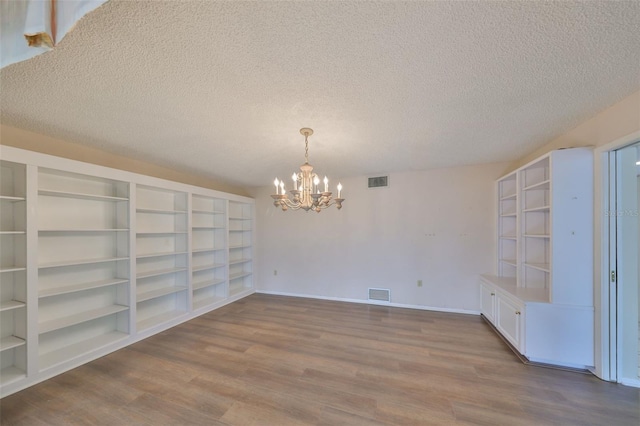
x,y
83,264
162,266
209,252
240,247
13,276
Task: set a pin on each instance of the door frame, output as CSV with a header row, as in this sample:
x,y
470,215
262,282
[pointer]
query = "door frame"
x,y
605,314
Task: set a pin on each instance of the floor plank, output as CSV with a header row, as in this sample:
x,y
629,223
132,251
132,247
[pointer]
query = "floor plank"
x,y
272,360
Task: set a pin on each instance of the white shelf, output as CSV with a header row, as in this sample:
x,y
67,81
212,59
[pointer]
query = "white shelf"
x,y
12,268
10,342
161,233
61,355
539,185
78,318
11,374
508,237
12,232
538,209
239,218
11,198
160,272
239,247
204,250
79,195
508,197
237,261
159,319
84,230
239,275
80,262
209,283
511,262
80,287
10,305
153,294
201,303
206,228
205,267
537,235
166,253
198,211
514,214
160,211
545,267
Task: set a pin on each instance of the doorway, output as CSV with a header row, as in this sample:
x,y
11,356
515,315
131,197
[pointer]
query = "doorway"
x,y
624,259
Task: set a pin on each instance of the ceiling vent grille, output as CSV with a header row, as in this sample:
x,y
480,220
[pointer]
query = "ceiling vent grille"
x,y
378,181
380,294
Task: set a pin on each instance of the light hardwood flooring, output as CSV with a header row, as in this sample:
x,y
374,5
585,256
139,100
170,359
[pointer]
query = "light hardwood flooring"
x,y
271,360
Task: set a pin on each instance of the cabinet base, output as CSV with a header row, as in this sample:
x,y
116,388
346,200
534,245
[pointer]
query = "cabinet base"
x,y
526,360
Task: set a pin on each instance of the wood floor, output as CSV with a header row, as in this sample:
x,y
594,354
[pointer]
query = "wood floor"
x,y
270,360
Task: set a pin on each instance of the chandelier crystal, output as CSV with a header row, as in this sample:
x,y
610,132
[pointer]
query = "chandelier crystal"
x,y
306,194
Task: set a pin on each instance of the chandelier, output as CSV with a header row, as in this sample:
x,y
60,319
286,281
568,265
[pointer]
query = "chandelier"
x,y
306,192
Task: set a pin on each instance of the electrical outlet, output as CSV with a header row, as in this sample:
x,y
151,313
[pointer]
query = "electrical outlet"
x,y
275,272
419,283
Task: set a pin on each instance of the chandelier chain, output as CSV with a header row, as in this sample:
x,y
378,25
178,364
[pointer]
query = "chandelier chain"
x,y
306,149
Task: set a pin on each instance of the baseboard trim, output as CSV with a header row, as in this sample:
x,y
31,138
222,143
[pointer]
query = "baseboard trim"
x,y
372,302
526,360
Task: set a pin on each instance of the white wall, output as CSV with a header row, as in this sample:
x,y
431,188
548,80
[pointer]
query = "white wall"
x,y
436,226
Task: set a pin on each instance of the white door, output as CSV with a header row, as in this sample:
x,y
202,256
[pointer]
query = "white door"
x,y
624,294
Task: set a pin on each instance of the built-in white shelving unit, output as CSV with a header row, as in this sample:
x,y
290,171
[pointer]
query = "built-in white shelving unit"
x,y
240,247
541,297
93,259
83,264
161,255
209,250
13,276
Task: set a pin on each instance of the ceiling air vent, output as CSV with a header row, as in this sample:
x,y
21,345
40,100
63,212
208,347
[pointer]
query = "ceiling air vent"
x,y
380,294
378,181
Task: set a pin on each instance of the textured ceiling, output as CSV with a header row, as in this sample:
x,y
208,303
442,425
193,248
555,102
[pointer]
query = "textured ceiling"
x,y
222,88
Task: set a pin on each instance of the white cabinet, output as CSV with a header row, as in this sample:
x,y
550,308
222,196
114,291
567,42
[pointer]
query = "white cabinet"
x,y
93,259
13,274
488,301
508,320
544,258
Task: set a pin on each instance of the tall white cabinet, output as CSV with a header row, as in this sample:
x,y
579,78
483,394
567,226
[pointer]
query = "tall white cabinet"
x,y
541,296
93,259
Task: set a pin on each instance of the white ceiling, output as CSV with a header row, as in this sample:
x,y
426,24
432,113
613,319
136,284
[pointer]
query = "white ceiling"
x,y
222,88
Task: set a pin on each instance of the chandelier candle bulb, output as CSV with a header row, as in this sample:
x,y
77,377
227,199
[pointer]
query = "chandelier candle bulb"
x,y
306,194
339,189
316,181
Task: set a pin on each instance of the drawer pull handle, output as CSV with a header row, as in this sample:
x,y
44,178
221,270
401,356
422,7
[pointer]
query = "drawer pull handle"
x,y
517,312
493,294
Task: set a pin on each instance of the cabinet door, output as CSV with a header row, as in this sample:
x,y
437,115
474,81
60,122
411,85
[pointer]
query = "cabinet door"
x,y
508,321
488,301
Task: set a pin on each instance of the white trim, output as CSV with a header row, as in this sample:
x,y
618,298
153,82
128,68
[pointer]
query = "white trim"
x,y
601,252
371,302
631,382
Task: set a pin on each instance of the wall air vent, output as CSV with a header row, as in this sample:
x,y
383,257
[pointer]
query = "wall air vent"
x,y
380,294
378,181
